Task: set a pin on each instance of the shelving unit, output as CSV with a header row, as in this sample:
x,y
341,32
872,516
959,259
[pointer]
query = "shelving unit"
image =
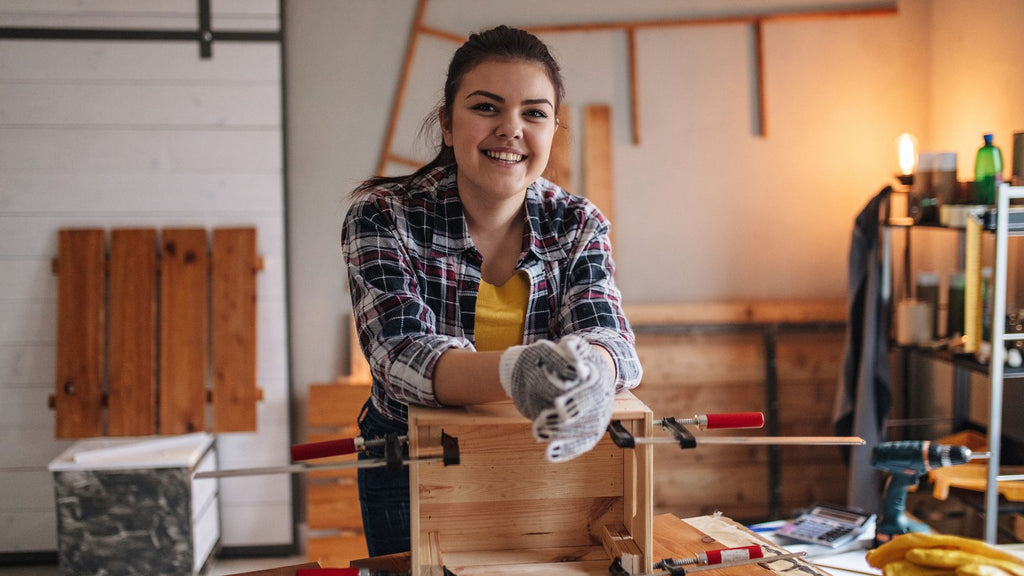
x,y
1004,222
998,361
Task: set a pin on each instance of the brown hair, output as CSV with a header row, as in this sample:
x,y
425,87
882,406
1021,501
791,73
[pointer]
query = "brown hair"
x,y
500,43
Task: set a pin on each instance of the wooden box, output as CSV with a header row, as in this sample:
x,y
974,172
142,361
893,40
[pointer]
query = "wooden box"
x,y
134,506
505,508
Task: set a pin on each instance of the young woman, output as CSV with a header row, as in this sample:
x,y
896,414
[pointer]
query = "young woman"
x,y
475,280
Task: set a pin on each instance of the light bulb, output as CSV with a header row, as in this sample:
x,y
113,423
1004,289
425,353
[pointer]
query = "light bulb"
x,y
906,155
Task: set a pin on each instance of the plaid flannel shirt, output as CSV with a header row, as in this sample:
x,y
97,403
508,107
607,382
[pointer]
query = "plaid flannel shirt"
x,y
414,275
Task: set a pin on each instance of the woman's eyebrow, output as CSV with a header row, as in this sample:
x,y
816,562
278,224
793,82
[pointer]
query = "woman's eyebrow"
x,y
501,100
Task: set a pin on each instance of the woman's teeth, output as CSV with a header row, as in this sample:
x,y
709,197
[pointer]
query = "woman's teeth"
x,y
505,156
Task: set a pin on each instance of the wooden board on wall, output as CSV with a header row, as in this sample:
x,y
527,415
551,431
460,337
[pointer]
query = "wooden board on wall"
x,y
80,278
132,341
598,178
183,330
233,331
559,168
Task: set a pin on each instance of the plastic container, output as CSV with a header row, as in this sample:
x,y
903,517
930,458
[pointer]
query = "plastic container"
x,y
988,172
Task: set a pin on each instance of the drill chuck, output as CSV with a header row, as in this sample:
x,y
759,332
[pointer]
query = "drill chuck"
x,y
915,457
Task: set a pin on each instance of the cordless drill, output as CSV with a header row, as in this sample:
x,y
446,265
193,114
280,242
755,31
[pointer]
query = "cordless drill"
x,y
906,461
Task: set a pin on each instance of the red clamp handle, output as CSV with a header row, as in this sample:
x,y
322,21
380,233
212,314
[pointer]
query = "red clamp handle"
x,y
323,449
738,554
735,420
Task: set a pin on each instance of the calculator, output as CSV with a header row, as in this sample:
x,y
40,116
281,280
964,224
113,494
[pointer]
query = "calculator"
x,y
826,524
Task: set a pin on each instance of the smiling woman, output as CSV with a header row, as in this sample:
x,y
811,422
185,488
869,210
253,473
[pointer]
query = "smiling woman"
x,y
474,279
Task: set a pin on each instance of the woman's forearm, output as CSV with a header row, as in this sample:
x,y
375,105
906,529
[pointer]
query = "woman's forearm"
x,y
464,377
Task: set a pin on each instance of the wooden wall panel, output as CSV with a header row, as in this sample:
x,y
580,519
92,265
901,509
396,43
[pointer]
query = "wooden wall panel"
x,y
184,343
79,390
132,341
701,358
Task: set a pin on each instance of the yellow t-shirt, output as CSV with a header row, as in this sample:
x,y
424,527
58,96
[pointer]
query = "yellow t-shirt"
x,y
500,313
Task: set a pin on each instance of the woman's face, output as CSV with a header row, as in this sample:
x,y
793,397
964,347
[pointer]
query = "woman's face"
x,y
501,127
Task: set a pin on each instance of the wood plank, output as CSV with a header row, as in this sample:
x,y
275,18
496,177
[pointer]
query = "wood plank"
x,y
233,329
336,551
81,261
700,358
504,452
559,168
358,367
598,161
336,404
524,524
183,330
333,506
737,312
132,345
803,483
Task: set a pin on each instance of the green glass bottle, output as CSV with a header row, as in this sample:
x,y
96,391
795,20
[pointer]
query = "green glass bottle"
x,y
988,172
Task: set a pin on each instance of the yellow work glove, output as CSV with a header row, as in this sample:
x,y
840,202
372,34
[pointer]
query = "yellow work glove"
x,y
943,558
908,568
897,548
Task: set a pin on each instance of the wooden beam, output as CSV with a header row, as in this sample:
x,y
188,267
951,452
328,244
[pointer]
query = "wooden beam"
x,y
634,92
396,105
759,120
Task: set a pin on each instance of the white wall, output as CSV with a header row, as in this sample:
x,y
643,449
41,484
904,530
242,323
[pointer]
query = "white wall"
x,y
111,134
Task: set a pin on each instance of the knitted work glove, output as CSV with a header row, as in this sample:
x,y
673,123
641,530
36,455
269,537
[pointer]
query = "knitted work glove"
x,y
535,374
579,418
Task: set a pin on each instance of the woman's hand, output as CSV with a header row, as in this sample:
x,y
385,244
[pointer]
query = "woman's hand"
x,y
565,388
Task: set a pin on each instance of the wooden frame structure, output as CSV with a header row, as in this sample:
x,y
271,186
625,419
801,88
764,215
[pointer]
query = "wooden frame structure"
x,y
505,509
630,28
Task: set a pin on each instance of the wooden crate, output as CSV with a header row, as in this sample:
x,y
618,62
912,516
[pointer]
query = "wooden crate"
x,y
506,506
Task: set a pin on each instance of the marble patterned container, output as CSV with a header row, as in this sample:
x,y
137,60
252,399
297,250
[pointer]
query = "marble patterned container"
x,y
132,506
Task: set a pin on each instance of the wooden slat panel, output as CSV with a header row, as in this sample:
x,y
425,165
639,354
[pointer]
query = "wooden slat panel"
x,y
183,330
598,180
132,345
333,506
233,316
79,382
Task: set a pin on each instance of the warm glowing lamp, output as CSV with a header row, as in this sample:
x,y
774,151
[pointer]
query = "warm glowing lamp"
x,y
906,153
